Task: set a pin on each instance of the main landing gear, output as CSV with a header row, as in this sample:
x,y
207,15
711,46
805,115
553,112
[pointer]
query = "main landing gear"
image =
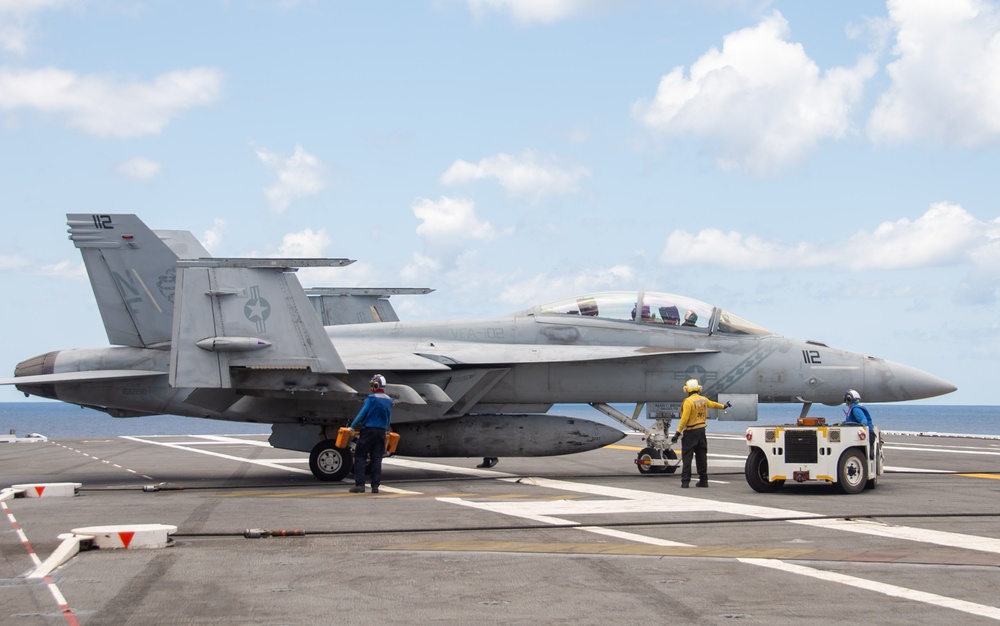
x,y
330,463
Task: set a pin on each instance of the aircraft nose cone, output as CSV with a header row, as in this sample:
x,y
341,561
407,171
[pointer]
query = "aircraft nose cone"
x,y
886,381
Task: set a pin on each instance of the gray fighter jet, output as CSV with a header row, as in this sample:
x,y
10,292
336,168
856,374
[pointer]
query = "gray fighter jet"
x,y
240,339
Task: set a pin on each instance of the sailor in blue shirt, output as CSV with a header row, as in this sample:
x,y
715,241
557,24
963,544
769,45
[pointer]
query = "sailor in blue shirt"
x,y
856,413
373,421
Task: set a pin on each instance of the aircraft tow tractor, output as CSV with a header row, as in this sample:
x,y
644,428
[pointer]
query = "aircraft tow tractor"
x,y
813,451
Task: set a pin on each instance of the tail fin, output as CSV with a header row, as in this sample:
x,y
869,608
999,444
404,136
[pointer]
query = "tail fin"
x,y
133,274
248,323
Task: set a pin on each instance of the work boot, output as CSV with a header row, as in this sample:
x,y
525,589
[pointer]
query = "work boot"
x,y
702,483
358,489
374,489
685,485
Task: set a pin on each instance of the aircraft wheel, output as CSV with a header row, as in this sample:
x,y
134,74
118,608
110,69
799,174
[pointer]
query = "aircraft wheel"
x,y
649,454
671,456
330,463
852,471
757,474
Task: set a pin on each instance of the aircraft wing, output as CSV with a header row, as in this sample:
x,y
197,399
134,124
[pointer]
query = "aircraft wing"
x,y
376,355
82,377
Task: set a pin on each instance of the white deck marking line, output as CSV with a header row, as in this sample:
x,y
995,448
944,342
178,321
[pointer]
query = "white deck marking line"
x,y
883,588
229,439
49,583
943,450
181,446
916,470
844,579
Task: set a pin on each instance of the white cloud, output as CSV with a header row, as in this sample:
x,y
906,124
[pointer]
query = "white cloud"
x,y
16,22
761,101
523,176
63,269
306,243
420,268
12,261
527,11
105,106
946,234
213,236
946,76
450,220
548,286
299,176
140,168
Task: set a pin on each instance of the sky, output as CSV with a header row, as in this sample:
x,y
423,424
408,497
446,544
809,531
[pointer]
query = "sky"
x,y
826,170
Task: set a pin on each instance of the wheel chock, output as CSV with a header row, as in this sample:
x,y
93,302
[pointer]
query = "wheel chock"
x,y
125,536
48,490
128,536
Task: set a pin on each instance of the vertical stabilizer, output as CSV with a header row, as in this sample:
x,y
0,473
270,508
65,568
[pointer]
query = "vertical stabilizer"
x,y
248,318
133,274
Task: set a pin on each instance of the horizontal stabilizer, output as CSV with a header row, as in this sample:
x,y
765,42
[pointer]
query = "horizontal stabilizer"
x,y
82,377
357,305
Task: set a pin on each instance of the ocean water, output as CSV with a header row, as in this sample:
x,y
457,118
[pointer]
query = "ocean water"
x,y
56,419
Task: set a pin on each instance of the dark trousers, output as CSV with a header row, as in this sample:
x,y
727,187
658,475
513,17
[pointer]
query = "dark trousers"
x,y
694,444
371,443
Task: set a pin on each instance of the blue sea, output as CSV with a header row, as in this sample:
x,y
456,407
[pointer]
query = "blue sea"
x,y
55,419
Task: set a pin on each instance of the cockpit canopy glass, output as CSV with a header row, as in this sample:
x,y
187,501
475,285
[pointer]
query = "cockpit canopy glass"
x,y
653,308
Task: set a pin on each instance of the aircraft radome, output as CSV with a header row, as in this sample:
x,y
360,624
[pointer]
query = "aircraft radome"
x,y
240,339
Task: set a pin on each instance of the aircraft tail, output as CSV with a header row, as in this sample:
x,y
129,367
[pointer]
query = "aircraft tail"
x,y
133,274
247,323
361,305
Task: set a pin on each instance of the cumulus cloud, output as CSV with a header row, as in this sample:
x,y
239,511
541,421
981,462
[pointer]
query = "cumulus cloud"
x,y
946,76
946,234
761,101
306,243
450,220
420,268
526,175
17,22
547,286
534,11
140,168
213,236
299,176
105,106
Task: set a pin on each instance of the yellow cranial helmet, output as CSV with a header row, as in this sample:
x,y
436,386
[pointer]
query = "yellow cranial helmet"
x,y
692,385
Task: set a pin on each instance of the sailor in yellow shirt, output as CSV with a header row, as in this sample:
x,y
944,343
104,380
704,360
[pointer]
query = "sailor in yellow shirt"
x,y
694,412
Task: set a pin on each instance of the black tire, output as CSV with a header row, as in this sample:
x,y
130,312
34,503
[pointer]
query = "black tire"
x,y
757,474
330,463
872,483
671,456
649,454
852,471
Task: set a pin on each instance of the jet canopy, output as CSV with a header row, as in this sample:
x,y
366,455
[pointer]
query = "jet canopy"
x,y
648,307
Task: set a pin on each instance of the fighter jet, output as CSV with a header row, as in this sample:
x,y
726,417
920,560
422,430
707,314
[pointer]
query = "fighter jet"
x,y
240,339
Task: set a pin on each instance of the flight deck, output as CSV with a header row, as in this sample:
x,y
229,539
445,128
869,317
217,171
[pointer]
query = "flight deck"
x,y
579,539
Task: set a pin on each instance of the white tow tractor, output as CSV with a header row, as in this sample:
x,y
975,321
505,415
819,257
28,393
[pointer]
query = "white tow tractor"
x,y
813,451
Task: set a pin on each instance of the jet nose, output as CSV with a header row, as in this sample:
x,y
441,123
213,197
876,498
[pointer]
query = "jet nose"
x,y
886,381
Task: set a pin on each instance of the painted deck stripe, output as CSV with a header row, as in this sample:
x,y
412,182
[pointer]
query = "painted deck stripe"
x,y
883,588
